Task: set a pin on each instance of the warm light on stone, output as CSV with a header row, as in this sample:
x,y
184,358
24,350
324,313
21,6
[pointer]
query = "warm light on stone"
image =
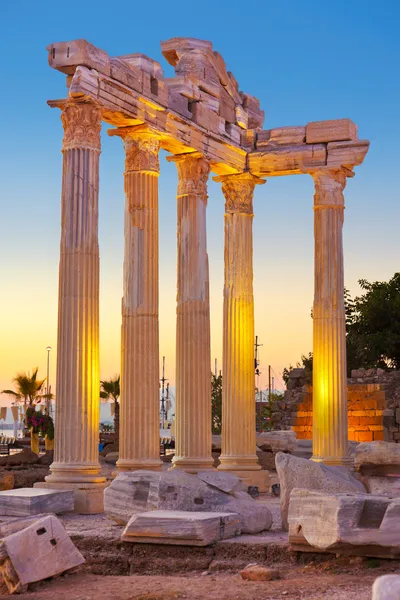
x,y
193,358
78,379
139,446
330,430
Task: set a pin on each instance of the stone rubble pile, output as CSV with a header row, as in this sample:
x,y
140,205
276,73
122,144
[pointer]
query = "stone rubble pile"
x,y
136,492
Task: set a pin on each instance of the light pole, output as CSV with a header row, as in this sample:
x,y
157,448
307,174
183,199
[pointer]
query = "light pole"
x,y
48,388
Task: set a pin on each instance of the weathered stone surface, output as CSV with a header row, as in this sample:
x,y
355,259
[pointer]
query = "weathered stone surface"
x,y
331,131
383,486
259,573
181,527
66,56
277,441
139,491
296,472
348,154
226,482
363,523
38,552
376,454
131,493
6,481
281,135
386,587
32,501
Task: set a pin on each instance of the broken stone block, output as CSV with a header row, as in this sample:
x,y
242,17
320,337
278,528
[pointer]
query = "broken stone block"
x,y
139,491
226,482
383,486
281,135
174,48
370,457
127,74
144,63
296,472
183,85
66,56
39,551
259,573
386,587
277,441
242,118
181,528
348,523
32,501
335,130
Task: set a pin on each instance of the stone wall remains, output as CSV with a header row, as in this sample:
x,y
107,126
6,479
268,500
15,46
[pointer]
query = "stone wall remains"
x,y
373,405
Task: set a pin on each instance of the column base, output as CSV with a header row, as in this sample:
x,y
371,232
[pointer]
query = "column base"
x,y
239,463
335,461
128,464
192,465
88,498
88,473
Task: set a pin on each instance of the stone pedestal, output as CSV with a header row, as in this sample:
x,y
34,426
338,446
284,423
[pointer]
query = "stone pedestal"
x,y
77,406
193,360
88,498
139,446
238,390
330,430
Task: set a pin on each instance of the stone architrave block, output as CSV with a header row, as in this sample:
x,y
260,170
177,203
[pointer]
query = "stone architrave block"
x,y
294,472
204,117
336,130
282,135
347,153
184,86
25,502
127,74
181,528
144,63
352,523
386,587
39,551
66,56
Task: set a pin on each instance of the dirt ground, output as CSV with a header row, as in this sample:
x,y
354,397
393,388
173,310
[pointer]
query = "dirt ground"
x,y
327,581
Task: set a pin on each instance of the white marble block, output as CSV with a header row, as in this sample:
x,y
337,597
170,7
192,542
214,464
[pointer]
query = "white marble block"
x,y
181,527
39,551
33,501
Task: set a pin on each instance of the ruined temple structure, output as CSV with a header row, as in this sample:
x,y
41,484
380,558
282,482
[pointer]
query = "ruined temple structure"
x,y
207,125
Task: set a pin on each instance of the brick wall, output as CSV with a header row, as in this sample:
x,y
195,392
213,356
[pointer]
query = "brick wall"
x,y
373,405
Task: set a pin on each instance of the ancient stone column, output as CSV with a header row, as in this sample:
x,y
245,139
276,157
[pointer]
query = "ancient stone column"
x,y
77,398
193,360
238,387
139,446
330,433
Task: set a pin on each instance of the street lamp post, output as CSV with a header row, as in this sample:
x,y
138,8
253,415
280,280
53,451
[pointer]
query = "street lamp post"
x,y
48,388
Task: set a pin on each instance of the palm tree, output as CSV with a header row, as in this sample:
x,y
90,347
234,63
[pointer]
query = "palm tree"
x,y
110,390
28,388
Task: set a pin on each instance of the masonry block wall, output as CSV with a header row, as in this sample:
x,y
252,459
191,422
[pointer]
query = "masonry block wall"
x,y
373,406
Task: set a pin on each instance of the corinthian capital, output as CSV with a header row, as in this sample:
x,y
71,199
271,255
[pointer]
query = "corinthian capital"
x,y
193,171
238,190
142,146
329,186
82,125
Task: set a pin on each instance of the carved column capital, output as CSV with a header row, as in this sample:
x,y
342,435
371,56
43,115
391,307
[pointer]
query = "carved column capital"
x,y
82,125
238,190
193,171
142,146
329,186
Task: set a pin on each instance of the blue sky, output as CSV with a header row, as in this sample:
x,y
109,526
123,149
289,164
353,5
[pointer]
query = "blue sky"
x,y
305,61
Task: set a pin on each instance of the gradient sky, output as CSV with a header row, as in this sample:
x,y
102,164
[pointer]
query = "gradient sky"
x,y
305,61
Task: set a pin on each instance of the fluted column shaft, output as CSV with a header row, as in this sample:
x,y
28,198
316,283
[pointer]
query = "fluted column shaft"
x,y
238,386
78,379
330,431
193,359
139,446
